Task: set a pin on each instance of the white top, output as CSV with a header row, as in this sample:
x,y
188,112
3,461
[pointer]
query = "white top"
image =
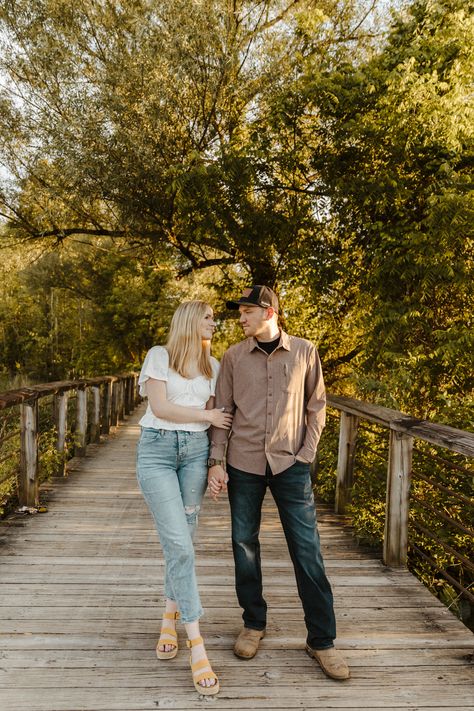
x,y
187,392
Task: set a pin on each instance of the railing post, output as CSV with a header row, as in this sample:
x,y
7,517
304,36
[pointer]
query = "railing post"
x,y
395,543
60,420
345,460
131,390
128,395
28,477
81,422
121,399
136,395
114,405
105,427
95,420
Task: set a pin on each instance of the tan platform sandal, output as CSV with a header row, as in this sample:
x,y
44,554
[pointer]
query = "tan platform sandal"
x,y
201,664
171,638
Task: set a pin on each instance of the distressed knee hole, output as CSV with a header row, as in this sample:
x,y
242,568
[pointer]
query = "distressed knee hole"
x,y
192,510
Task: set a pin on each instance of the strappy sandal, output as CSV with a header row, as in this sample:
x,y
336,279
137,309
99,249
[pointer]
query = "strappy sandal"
x,y
201,664
171,638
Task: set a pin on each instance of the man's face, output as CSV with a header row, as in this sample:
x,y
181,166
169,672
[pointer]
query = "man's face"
x,y
253,319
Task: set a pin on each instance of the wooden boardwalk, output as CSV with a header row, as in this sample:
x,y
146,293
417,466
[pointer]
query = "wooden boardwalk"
x,y
81,606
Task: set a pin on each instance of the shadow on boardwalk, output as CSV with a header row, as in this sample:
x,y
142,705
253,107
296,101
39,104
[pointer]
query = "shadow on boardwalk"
x,y
81,608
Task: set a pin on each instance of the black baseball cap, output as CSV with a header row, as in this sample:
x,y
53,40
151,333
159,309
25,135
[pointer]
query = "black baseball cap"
x,y
256,295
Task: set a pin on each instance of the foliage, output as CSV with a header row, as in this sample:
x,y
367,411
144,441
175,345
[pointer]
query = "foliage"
x,y
140,120
85,309
10,454
397,157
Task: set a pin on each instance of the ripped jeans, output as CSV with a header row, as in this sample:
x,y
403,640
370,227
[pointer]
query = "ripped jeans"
x,y
172,474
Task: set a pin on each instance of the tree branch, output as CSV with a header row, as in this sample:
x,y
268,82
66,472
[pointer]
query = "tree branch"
x,y
204,264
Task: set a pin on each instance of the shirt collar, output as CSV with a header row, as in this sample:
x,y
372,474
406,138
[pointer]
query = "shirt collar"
x,y
284,342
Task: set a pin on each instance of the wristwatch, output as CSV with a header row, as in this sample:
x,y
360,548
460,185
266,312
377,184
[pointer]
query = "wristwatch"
x,y
213,462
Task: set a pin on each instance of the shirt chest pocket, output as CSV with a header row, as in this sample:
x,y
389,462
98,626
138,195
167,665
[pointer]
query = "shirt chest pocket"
x,y
292,377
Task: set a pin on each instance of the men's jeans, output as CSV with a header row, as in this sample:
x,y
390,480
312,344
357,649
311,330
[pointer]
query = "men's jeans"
x,y
293,495
172,474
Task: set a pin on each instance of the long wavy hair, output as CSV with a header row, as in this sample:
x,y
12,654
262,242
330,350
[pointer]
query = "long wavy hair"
x,y
185,344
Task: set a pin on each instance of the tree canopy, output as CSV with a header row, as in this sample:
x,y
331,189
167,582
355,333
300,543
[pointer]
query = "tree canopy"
x,y
158,121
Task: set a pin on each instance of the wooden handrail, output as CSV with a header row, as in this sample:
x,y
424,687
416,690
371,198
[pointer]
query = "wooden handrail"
x,y
113,396
432,432
10,398
403,431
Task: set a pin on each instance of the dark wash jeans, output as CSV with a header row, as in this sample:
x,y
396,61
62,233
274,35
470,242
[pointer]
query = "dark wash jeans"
x,y
293,495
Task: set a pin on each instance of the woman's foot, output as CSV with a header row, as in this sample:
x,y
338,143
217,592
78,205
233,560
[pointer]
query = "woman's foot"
x,y
205,681
167,646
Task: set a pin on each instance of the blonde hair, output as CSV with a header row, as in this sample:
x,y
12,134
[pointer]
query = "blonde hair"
x,y
185,344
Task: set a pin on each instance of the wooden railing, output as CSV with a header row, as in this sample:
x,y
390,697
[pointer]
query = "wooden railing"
x,y
101,402
402,430
99,405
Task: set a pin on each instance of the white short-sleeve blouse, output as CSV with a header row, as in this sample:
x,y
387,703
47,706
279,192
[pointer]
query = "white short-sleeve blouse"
x,y
188,392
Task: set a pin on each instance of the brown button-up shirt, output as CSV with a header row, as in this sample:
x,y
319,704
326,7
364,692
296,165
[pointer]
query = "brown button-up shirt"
x,y
278,401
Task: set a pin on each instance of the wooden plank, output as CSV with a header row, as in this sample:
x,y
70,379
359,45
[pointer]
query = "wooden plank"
x,y
440,435
354,608
81,423
9,398
60,420
70,574
347,628
379,619
303,675
238,696
365,567
395,543
95,412
368,660
345,460
389,641
28,475
107,408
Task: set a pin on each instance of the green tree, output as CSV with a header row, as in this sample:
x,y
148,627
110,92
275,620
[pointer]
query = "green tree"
x,y
397,161
88,308
138,120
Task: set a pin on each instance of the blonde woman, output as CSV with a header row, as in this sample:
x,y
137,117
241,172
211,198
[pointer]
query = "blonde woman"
x,y
179,380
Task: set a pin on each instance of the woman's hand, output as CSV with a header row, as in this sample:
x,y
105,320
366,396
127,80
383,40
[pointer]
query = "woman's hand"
x,y
220,419
217,480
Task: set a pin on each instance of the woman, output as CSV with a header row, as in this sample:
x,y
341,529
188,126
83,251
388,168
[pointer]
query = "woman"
x,y
179,380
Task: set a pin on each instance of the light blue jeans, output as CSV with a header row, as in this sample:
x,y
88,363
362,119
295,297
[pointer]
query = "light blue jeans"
x,y
172,474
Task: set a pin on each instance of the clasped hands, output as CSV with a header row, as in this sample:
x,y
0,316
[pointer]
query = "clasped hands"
x,y
217,479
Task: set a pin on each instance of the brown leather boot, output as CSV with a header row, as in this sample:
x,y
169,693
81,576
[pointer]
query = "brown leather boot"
x,y
246,644
331,662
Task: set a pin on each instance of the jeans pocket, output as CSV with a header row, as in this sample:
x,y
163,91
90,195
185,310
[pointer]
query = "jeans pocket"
x,y
149,434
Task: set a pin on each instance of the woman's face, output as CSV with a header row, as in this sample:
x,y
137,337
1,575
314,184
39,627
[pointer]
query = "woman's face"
x,y
208,325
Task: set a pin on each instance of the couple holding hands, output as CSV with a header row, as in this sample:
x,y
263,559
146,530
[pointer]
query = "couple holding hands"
x,y
265,407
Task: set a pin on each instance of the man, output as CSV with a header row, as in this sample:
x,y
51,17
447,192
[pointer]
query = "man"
x,y
273,384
